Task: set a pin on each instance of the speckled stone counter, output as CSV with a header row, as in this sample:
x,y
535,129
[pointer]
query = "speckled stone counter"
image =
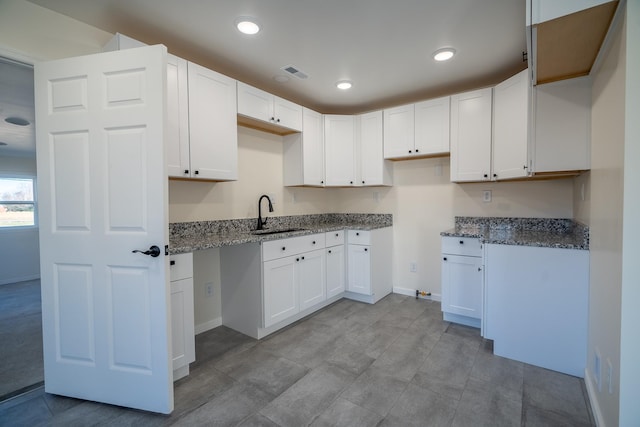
x,y
193,236
542,232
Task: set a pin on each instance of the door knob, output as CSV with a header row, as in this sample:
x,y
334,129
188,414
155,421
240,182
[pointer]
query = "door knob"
x,y
153,251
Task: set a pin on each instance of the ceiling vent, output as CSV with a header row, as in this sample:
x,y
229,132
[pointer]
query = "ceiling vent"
x,y
295,72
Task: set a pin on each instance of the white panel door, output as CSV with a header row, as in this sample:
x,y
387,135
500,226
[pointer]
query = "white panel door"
x,y
254,102
359,269
182,323
102,194
462,285
339,145
370,149
311,278
336,270
287,113
432,126
177,138
213,130
312,148
511,127
471,136
280,290
399,132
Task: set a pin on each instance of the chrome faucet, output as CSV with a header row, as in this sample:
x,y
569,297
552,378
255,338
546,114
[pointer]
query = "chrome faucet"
x,y
262,222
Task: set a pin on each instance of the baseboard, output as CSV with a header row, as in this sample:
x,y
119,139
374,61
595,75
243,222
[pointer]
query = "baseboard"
x,y
19,279
592,392
412,293
203,327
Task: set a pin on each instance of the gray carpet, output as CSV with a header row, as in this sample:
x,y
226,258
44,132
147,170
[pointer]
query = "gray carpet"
x,y
21,337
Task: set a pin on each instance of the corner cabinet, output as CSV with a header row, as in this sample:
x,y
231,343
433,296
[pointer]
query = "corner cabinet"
x,y
303,153
182,313
371,168
202,137
257,104
471,136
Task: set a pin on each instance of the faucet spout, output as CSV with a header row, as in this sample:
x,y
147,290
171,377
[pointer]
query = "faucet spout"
x,y
262,222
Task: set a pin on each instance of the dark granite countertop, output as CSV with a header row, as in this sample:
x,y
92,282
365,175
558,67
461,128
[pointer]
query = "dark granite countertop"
x,y
194,236
540,232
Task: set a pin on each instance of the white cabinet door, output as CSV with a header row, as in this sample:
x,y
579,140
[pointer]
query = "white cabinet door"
x,y
462,285
511,127
339,140
303,153
182,323
359,269
561,137
399,134
177,124
100,148
432,119
255,103
280,290
287,113
471,136
213,132
311,278
373,169
336,271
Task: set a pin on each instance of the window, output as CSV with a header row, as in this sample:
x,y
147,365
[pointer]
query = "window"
x,y
17,202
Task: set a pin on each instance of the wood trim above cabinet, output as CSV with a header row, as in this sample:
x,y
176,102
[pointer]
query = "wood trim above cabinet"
x,y
567,47
252,123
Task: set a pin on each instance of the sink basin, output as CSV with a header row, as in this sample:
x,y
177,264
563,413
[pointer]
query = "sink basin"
x,y
267,231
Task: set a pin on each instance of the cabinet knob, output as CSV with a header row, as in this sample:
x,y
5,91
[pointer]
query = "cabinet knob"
x,y
337,234
321,182
172,262
417,150
486,176
525,167
409,151
462,242
186,171
357,234
197,172
302,258
313,243
495,175
329,250
366,249
272,119
479,269
297,259
444,259
284,248
278,120
350,182
363,182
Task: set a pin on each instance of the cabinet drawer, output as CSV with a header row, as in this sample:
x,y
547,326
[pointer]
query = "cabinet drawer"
x,y
469,246
359,237
294,245
334,238
181,266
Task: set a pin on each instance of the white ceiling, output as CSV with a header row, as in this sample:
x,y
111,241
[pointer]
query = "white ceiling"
x,y
383,46
16,100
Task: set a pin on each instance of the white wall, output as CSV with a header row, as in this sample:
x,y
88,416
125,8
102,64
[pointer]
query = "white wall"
x,y
605,212
19,248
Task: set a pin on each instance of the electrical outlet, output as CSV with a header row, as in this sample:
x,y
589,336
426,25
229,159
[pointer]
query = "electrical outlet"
x,y
376,196
486,196
413,267
272,197
209,289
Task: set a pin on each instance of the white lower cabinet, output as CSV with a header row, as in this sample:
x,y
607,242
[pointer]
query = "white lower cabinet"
x,y
462,281
280,290
182,320
336,267
311,269
369,264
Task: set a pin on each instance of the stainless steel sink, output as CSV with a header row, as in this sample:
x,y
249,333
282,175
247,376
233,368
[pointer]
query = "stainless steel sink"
x,y
267,231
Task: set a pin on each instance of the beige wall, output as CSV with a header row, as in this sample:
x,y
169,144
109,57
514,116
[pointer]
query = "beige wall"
x,y
604,209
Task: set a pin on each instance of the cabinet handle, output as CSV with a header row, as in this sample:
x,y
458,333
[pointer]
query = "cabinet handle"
x,y
186,171
444,259
525,167
197,172
172,262
284,248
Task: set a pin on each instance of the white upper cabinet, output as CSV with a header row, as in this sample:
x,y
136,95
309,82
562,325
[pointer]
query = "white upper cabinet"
x,y
561,131
177,140
304,152
471,136
417,130
371,168
399,137
511,127
263,106
339,145
213,133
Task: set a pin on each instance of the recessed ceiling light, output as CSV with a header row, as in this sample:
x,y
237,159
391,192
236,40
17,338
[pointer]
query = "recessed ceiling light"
x,y
18,121
344,84
247,25
444,54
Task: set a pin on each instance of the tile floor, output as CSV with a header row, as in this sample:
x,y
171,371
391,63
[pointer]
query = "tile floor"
x,y
395,363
